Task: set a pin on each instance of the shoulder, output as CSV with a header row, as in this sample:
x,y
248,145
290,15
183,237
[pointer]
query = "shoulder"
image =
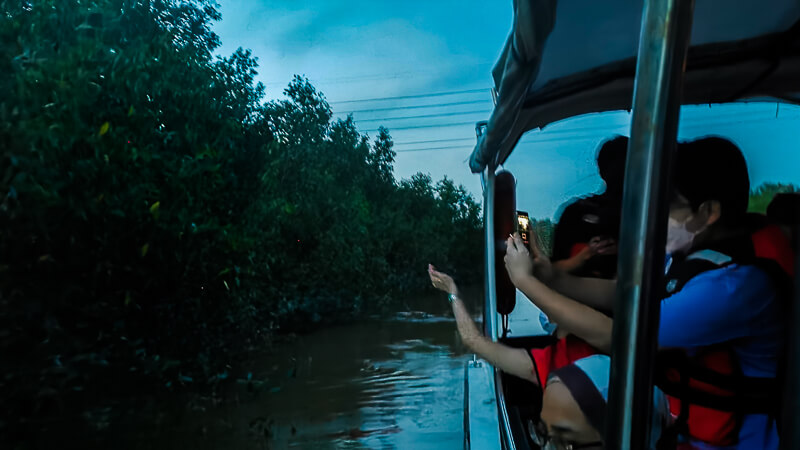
x,y
734,282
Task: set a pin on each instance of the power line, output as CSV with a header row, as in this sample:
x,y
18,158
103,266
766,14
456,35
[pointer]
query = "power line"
x,y
430,148
443,125
377,76
549,138
426,116
433,141
404,97
435,105
470,147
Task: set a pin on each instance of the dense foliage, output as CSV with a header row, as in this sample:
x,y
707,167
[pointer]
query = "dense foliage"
x,y
159,218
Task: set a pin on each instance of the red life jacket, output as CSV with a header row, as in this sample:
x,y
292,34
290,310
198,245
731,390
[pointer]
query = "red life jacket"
x,y
558,354
707,391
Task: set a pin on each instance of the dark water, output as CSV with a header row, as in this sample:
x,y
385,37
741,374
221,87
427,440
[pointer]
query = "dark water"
x,y
395,382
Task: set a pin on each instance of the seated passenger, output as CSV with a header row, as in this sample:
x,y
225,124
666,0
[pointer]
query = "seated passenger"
x,y
585,236
716,304
785,211
574,396
585,244
574,407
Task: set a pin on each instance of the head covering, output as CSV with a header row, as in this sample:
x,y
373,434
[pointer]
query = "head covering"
x,y
713,168
587,379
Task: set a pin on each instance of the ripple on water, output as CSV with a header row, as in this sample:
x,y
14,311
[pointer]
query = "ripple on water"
x,y
395,384
411,397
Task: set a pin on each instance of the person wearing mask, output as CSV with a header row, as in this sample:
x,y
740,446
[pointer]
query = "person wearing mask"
x,y
719,309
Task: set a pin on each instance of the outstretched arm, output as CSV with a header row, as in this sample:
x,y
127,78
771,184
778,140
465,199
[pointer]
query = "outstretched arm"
x,y
571,316
596,293
514,361
593,292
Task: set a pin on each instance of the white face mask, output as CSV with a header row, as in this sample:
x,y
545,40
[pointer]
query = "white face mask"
x,y
679,239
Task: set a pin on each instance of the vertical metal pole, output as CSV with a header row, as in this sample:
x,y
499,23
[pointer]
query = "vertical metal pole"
x,y
490,299
663,42
790,430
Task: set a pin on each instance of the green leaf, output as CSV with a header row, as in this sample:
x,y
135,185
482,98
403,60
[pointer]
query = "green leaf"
x,y
104,128
155,210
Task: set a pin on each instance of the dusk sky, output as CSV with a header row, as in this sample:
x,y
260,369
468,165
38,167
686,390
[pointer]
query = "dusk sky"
x,y
360,49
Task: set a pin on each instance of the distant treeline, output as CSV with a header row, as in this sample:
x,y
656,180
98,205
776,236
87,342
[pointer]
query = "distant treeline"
x,y
160,218
761,196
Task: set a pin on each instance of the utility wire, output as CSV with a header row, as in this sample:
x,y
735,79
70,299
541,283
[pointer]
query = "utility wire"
x,y
377,76
434,105
464,147
426,116
549,138
431,148
442,125
404,97
434,141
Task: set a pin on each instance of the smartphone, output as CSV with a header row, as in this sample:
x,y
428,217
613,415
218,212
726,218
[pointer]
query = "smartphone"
x,y
524,227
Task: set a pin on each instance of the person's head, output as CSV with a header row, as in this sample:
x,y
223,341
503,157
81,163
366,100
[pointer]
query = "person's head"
x,y
574,406
711,192
784,209
611,164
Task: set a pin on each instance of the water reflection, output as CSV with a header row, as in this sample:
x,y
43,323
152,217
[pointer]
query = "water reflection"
x,y
390,383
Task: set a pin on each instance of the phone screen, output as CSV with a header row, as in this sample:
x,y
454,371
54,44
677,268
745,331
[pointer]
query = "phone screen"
x,y
524,227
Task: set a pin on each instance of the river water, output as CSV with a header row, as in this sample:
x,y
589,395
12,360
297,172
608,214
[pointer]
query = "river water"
x,y
395,382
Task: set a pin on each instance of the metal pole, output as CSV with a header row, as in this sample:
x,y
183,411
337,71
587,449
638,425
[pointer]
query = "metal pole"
x,y
790,430
490,299
663,42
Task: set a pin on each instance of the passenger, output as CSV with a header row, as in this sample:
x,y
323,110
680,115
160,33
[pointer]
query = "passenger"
x,y
585,244
729,304
785,211
585,237
574,397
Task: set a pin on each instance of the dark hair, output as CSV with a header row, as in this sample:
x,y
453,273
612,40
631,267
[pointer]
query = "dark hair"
x,y
611,159
713,168
785,208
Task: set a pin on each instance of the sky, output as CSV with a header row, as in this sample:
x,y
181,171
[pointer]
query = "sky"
x,y
437,56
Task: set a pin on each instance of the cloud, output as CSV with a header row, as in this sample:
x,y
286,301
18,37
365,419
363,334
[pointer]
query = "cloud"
x,y
355,49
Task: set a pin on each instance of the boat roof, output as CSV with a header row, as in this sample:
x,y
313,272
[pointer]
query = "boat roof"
x,y
572,57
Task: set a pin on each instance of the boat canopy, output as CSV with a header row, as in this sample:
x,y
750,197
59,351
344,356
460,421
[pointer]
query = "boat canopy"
x,y
572,57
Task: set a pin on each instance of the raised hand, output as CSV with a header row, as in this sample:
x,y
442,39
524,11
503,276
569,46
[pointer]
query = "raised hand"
x,y
519,262
542,267
442,281
600,246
